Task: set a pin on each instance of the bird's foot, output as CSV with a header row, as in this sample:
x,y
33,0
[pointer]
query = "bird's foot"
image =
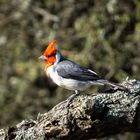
x,y
70,99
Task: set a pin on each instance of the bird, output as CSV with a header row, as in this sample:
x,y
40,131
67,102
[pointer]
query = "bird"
x,y
68,74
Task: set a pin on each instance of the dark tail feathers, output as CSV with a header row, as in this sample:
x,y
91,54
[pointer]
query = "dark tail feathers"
x,y
106,82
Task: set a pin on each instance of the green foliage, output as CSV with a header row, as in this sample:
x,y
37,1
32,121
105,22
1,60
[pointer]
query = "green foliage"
x,y
101,35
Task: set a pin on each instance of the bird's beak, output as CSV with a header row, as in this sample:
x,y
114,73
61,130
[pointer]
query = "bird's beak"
x,y
42,57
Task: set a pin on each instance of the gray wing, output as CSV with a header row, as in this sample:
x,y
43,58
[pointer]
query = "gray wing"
x,y
69,69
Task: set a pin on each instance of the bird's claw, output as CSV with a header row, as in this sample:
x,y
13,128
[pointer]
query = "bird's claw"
x,y
70,99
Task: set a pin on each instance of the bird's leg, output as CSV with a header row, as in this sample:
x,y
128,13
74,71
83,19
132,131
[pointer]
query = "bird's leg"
x,y
68,101
74,95
76,92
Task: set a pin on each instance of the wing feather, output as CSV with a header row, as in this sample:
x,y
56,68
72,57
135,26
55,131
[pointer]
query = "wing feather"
x,y
69,69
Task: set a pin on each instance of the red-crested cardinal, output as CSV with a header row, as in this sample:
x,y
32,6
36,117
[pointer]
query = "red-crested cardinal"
x,y
67,74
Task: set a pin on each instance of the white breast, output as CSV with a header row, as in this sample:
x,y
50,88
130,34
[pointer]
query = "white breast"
x,y
53,75
70,84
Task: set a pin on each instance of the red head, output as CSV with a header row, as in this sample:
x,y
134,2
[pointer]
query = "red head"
x,y
49,54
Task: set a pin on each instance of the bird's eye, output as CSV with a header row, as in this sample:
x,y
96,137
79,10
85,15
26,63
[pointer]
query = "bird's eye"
x,y
50,55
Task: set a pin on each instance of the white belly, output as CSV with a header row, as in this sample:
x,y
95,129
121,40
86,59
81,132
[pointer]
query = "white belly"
x,y
70,84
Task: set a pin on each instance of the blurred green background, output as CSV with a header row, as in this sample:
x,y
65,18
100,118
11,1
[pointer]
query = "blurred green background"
x,y
103,35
